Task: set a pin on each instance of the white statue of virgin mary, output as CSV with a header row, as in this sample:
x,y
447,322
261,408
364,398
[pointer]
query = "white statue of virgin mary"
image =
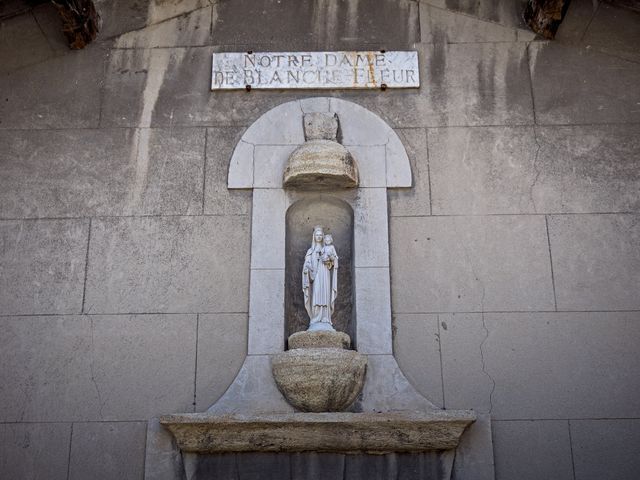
x,y
320,281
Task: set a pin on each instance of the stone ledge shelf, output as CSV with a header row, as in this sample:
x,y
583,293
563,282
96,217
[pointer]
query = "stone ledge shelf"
x,y
341,432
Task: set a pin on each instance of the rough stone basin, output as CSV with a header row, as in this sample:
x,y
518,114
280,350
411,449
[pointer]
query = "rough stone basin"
x,y
319,379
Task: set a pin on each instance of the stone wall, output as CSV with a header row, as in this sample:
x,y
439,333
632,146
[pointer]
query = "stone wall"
x,y
515,258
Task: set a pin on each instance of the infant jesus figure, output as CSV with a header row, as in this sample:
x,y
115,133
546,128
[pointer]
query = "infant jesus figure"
x,y
329,255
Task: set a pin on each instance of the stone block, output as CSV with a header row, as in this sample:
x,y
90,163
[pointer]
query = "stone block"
x,y
283,126
532,449
107,450
373,309
574,85
48,20
189,29
574,25
359,126
474,456
373,174
370,228
60,173
367,23
502,12
467,84
168,264
448,264
498,170
268,228
29,451
63,92
585,169
606,448
542,365
22,43
75,368
596,261
616,31
482,170
222,347
398,168
43,266
414,201
162,460
266,312
241,167
438,25
417,349
273,160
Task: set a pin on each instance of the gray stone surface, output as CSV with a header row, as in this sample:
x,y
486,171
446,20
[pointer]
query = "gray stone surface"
x,y
30,451
158,79
307,24
42,265
578,17
482,170
75,368
190,29
503,12
22,43
574,85
218,199
414,200
474,456
168,264
596,261
587,169
62,173
417,350
29,101
252,391
162,458
546,170
107,450
602,27
615,31
533,449
606,448
542,365
438,25
463,84
448,264
222,347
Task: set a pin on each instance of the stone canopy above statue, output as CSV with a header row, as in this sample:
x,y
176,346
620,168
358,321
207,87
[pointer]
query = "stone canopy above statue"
x,y
321,162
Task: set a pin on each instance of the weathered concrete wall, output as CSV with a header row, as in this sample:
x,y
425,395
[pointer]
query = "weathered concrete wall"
x,y
515,257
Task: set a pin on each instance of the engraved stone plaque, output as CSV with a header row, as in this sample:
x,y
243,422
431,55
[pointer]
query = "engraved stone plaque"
x,y
315,70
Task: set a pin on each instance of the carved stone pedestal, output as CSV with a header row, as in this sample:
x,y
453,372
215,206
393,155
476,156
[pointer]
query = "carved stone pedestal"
x,y
320,375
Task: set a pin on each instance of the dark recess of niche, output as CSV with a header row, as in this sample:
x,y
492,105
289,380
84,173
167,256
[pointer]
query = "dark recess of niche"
x,y
336,217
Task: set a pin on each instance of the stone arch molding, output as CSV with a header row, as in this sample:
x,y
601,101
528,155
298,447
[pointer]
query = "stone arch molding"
x,y
258,163
361,132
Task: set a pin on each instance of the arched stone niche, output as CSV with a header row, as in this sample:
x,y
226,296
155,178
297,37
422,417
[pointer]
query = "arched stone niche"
x,y
258,163
336,216
253,400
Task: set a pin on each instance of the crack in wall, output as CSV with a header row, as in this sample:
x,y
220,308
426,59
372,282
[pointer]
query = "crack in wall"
x,y
101,403
536,168
476,276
